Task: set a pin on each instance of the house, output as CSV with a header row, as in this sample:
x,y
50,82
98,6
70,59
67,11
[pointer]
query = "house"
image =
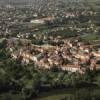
x,y
14,55
42,20
70,68
34,58
37,21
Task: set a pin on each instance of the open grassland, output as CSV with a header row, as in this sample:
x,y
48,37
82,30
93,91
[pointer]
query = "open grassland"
x,y
91,37
79,94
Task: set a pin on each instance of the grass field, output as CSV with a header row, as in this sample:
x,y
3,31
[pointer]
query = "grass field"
x,y
90,37
54,97
56,94
72,94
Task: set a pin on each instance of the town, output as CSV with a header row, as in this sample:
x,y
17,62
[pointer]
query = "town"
x,y
69,55
51,48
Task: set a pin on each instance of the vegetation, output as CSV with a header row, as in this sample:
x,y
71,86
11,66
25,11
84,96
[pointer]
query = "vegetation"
x,y
26,82
90,37
72,94
29,81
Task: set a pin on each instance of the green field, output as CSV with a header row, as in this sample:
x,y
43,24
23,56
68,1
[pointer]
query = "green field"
x,y
90,37
72,94
54,97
